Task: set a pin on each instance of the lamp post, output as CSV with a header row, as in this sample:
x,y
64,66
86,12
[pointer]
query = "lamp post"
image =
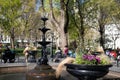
x,y
52,37
1,36
30,35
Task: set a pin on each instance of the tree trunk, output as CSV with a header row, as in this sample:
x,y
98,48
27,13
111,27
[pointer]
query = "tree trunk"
x,y
63,40
12,38
81,27
102,23
12,42
61,23
102,36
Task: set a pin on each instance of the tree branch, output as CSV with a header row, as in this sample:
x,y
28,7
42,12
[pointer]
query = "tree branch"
x,y
42,1
53,19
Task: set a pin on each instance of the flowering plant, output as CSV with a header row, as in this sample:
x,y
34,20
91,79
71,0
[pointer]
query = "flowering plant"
x,y
91,59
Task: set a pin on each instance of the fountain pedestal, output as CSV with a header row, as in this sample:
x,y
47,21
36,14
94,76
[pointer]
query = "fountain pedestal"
x,y
41,72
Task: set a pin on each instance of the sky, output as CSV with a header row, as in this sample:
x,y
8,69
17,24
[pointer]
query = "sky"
x,y
38,2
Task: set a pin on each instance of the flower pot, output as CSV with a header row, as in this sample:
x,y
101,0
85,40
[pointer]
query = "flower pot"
x,y
87,72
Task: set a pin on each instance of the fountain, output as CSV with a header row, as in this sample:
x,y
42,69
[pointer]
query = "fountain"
x,y
42,71
13,71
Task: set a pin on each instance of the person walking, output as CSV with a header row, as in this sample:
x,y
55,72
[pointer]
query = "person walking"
x,y
26,52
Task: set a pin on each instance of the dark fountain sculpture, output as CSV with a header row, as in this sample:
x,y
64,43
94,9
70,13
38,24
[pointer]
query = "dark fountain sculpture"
x,y
42,71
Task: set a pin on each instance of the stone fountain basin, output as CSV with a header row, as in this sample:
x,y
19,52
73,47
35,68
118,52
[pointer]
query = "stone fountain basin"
x,y
13,71
13,76
13,68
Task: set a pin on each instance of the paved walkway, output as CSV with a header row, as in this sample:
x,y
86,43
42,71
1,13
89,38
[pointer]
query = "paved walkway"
x,y
115,68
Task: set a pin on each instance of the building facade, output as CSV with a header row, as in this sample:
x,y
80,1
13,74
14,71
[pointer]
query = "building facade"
x,y
112,35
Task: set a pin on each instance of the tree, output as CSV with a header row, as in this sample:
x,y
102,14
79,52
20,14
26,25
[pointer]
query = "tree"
x,y
105,17
82,16
9,17
61,21
18,17
113,33
87,14
31,21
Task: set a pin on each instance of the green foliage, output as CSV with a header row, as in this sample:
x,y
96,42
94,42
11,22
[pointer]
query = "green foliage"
x,y
78,59
55,4
9,14
73,33
91,14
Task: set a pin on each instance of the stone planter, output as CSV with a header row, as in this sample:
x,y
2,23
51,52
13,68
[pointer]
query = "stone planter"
x,y
87,72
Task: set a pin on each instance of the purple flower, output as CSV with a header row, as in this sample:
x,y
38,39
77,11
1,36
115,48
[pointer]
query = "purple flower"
x,y
98,59
91,58
85,57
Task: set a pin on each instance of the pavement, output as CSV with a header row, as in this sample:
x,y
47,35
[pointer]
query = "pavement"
x,y
115,68
114,71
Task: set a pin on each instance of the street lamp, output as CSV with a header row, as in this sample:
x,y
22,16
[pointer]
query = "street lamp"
x,y
52,37
1,35
1,38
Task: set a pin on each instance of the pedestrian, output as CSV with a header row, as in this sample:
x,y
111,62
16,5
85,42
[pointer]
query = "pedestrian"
x,y
107,52
118,56
26,52
58,54
65,51
70,53
7,55
118,51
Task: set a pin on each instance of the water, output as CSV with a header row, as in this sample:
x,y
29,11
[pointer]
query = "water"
x,y
13,76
